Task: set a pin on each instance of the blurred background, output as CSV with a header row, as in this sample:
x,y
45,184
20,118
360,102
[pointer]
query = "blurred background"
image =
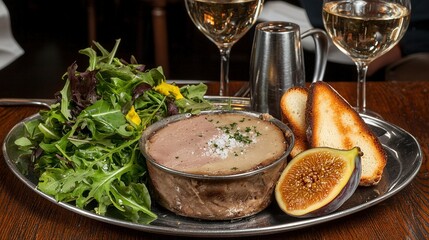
x,y
156,32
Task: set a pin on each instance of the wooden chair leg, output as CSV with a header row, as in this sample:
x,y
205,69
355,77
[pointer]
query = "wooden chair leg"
x,y
159,18
160,35
92,21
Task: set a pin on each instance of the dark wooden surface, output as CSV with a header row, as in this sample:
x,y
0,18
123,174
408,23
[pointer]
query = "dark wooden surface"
x,y
26,215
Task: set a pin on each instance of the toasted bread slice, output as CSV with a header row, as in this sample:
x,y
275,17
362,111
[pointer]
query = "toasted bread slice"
x,y
332,122
293,104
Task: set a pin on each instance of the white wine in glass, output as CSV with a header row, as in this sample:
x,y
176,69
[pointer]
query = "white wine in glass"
x,y
365,30
224,22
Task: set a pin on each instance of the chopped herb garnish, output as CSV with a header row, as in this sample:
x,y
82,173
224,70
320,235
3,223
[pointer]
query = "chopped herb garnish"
x,y
241,138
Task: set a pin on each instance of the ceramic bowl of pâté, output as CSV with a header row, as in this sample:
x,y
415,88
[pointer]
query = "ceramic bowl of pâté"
x,y
216,165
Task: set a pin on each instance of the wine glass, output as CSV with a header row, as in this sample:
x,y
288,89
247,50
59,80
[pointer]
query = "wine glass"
x,y
365,30
224,22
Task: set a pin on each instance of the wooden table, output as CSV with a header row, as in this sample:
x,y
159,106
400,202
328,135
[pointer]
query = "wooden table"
x,y
26,215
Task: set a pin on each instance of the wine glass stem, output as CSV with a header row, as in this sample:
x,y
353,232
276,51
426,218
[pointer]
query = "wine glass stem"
x,y
362,69
224,70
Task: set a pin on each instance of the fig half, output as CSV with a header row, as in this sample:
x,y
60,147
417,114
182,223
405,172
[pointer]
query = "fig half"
x,y
318,181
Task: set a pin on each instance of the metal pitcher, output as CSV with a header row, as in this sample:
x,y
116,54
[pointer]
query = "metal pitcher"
x,y
277,63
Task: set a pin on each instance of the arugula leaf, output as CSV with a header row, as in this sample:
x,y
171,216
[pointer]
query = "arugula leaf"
x,y
23,141
102,119
65,99
92,57
195,92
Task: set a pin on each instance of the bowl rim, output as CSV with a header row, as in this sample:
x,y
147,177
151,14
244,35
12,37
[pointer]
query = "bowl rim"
x,y
287,132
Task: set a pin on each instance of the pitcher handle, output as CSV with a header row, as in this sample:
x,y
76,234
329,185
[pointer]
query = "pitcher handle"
x,y
321,47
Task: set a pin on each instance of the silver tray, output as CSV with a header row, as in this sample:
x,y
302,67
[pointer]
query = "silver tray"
x,y
404,160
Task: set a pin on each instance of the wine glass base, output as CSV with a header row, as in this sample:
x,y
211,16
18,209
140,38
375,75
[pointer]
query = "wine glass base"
x,y
368,113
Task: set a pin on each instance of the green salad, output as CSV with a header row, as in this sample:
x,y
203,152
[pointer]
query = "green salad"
x,y
85,148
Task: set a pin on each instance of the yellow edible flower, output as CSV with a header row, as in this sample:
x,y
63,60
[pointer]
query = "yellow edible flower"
x,y
167,89
133,117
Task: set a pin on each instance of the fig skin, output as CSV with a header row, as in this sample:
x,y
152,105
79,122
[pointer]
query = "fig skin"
x,y
325,208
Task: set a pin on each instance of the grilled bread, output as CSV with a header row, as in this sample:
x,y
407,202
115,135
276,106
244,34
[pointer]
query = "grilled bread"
x,y
293,104
332,122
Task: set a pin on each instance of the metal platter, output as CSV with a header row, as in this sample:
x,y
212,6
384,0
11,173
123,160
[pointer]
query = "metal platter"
x,y
404,160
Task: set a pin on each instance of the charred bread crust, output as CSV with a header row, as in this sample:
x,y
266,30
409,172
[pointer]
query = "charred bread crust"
x,y
332,122
293,104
